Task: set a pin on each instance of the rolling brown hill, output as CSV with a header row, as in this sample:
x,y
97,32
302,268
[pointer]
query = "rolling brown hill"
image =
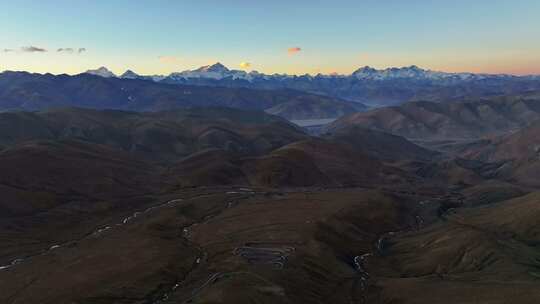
x,y
53,190
42,175
351,157
303,108
308,163
379,144
464,258
161,136
520,151
449,121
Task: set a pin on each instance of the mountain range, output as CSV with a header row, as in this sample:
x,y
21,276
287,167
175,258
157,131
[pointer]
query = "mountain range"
x,y
366,85
25,91
218,71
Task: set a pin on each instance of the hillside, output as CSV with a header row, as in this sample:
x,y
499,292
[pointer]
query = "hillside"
x,y
380,144
305,109
156,136
45,175
469,251
354,157
449,121
520,151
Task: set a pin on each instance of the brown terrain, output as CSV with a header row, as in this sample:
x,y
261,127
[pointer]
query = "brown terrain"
x,y
214,205
458,120
519,153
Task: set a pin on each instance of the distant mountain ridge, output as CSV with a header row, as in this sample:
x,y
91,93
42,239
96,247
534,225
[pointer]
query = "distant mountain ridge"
x,y
25,91
366,85
219,71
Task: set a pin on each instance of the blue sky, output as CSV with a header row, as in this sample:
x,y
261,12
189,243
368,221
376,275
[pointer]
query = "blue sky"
x,y
162,36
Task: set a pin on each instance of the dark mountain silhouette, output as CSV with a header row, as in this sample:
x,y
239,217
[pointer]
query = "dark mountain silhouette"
x,y
25,91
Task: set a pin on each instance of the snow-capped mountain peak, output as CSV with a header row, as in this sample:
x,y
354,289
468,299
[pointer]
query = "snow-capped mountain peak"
x,y
365,72
366,69
102,71
129,74
214,68
214,71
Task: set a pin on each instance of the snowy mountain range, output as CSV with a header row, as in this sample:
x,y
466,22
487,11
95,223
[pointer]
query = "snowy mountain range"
x,y
218,71
414,72
366,85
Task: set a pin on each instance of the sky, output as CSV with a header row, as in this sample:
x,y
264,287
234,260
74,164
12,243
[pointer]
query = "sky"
x,y
278,36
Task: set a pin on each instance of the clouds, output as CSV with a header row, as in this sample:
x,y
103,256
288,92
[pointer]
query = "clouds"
x,y
294,50
71,50
245,65
66,50
32,49
35,49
